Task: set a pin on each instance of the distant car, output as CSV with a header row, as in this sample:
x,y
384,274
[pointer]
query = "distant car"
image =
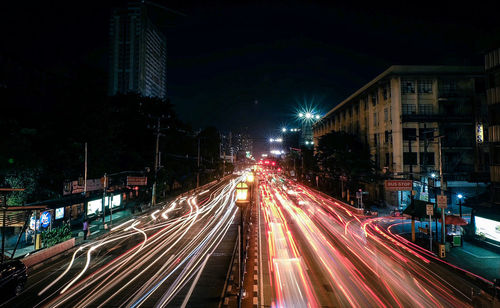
x,y
13,278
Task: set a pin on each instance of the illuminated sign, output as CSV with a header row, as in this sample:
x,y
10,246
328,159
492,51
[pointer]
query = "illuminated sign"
x,y
241,192
45,219
33,222
397,185
95,206
479,133
116,201
488,228
60,212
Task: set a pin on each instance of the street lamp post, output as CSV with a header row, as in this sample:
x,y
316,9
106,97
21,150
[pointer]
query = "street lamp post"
x,y
243,199
460,196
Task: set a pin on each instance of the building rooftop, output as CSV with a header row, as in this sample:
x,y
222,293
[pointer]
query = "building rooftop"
x,y
413,70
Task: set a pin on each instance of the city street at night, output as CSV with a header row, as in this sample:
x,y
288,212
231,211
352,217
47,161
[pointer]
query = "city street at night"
x,y
162,251
350,260
249,154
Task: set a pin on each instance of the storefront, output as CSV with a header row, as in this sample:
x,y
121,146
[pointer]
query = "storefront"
x,y
94,207
487,225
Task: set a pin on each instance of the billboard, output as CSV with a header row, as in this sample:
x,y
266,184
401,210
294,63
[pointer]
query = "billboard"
x,y
60,212
74,188
137,180
488,228
95,206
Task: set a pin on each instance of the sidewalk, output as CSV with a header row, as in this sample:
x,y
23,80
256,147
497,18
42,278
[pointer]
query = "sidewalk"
x,y
96,229
475,257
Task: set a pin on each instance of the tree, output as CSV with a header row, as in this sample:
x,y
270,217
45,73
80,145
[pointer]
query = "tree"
x,y
27,179
343,154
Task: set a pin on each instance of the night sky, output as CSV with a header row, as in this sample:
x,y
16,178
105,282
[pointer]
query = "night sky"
x,y
254,63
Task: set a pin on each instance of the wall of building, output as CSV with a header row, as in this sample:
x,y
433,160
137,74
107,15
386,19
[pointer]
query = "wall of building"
x,y
419,103
137,54
492,66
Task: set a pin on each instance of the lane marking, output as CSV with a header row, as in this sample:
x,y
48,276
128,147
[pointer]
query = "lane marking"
x,y
261,289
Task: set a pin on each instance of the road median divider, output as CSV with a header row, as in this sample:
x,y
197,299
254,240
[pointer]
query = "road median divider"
x,y
47,253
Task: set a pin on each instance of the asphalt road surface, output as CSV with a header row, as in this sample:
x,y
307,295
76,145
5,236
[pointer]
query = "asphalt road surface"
x,y
174,256
321,253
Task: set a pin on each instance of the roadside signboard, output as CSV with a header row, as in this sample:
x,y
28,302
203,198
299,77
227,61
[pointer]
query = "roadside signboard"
x,y
137,180
429,209
45,219
398,185
442,201
74,187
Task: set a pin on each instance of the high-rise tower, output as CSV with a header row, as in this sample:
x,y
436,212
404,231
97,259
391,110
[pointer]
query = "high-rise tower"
x,y
138,53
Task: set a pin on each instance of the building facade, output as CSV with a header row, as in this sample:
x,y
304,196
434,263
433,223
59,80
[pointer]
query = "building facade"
x,y
492,68
402,115
138,53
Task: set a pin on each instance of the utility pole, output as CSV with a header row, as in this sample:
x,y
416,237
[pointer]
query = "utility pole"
x,y
441,186
3,225
85,180
105,184
198,173
153,194
224,164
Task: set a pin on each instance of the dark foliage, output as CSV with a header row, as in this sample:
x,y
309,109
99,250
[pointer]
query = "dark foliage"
x,y
342,154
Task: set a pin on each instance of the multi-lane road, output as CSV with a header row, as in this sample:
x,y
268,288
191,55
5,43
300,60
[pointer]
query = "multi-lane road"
x,y
321,253
159,259
313,251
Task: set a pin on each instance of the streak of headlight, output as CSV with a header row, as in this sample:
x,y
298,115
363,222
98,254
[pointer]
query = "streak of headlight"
x,y
132,226
213,243
119,265
167,250
181,279
153,215
64,273
203,192
88,260
121,225
82,271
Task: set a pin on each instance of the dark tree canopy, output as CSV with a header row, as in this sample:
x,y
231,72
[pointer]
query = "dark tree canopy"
x,y
343,154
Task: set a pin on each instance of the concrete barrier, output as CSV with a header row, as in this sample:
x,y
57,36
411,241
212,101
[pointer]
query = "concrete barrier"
x,y
47,253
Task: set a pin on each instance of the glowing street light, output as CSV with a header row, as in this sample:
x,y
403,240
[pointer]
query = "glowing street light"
x,y
308,115
250,177
433,175
301,115
283,129
242,193
460,196
317,116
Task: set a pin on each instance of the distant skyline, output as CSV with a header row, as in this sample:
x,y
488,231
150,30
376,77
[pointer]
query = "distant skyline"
x,y
254,63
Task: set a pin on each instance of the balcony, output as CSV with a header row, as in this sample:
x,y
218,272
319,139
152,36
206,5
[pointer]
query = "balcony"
x,y
436,117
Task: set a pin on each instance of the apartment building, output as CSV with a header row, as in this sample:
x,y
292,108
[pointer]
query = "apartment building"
x,y
492,68
402,115
138,53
